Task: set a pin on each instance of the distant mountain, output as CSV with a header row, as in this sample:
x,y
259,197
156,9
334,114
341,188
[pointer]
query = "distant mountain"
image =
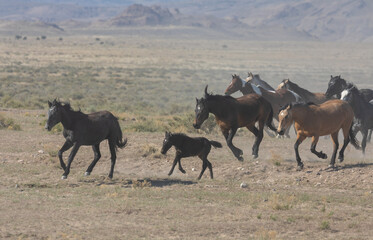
x,y
325,20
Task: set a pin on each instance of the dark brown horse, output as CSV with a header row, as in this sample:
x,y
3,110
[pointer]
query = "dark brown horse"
x,y
307,96
233,113
85,129
187,147
312,120
277,98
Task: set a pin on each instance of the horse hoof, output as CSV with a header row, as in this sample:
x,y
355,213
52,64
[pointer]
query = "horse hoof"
x,y
87,173
341,159
63,177
255,156
300,167
240,158
324,156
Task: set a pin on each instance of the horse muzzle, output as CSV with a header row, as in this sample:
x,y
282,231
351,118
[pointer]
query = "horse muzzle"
x,y
196,126
47,127
281,132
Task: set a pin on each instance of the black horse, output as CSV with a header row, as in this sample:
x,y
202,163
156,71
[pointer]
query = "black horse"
x,y
233,113
337,84
85,129
187,147
363,111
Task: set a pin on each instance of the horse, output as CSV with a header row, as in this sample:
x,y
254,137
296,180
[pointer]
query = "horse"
x,y
363,111
85,129
276,98
256,80
187,147
233,113
313,120
337,84
306,95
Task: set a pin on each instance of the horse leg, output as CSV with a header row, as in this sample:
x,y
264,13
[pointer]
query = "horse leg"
x,y
66,146
320,154
96,150
229,134
345,143
205,162
300,139
113,157
364,131
70,160
180,167
335,148
369,135
258,138
204,165
177,158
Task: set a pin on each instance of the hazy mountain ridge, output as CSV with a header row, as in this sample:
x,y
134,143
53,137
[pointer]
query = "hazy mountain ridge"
x,y
333,20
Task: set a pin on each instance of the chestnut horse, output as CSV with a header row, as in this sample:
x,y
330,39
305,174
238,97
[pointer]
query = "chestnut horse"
x,y
313,120
307,96
276,98
233,113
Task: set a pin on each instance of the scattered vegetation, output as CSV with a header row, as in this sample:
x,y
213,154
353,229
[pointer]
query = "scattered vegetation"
x,y
8,123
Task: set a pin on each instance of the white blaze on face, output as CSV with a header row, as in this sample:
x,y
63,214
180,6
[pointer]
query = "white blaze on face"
x,y
344,95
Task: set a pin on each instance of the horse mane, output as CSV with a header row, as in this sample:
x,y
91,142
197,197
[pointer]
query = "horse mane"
x,y
297,104
67,107
298,89
217,97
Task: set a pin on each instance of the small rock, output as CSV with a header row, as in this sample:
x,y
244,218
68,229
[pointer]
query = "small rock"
x,y
41,151
317,184
16,185
243,185
256,162
193,169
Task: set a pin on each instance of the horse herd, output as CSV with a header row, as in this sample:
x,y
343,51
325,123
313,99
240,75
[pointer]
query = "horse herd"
x,y
343,106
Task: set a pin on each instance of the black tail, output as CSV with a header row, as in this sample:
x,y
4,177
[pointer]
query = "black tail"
x,y
270,120
119,142
216,144
353,139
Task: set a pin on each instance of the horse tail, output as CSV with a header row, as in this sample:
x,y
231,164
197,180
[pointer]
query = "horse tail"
x,y
353,139
119,142
270,120
216,144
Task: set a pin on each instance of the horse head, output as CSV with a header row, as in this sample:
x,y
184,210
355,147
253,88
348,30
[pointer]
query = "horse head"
x,y
54,114
283,85
284,118
236,84
167,144
335,86
202,112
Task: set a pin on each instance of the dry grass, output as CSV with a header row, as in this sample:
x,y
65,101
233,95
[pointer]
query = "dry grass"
x,y
151,84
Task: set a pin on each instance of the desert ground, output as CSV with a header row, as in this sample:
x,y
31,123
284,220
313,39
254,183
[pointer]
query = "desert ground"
x,y
150,82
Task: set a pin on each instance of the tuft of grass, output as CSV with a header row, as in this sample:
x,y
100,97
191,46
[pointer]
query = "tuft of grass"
x,y
325,225
151,150
8,123
264,234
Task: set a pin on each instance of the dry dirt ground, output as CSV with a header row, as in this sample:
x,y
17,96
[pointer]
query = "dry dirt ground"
x,y
142,202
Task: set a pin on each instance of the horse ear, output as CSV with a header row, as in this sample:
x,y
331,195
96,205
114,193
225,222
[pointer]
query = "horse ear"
x,y
331,76
49,104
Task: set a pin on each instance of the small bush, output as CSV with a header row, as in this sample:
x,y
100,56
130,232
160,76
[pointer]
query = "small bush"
x,y
8,123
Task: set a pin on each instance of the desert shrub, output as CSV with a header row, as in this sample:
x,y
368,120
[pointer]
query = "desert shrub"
x,y
8,123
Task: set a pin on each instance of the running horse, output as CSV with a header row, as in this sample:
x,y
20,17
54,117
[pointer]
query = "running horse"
x,y
277,98
363,111
233,113
311,120
85,129
306,95
337,84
